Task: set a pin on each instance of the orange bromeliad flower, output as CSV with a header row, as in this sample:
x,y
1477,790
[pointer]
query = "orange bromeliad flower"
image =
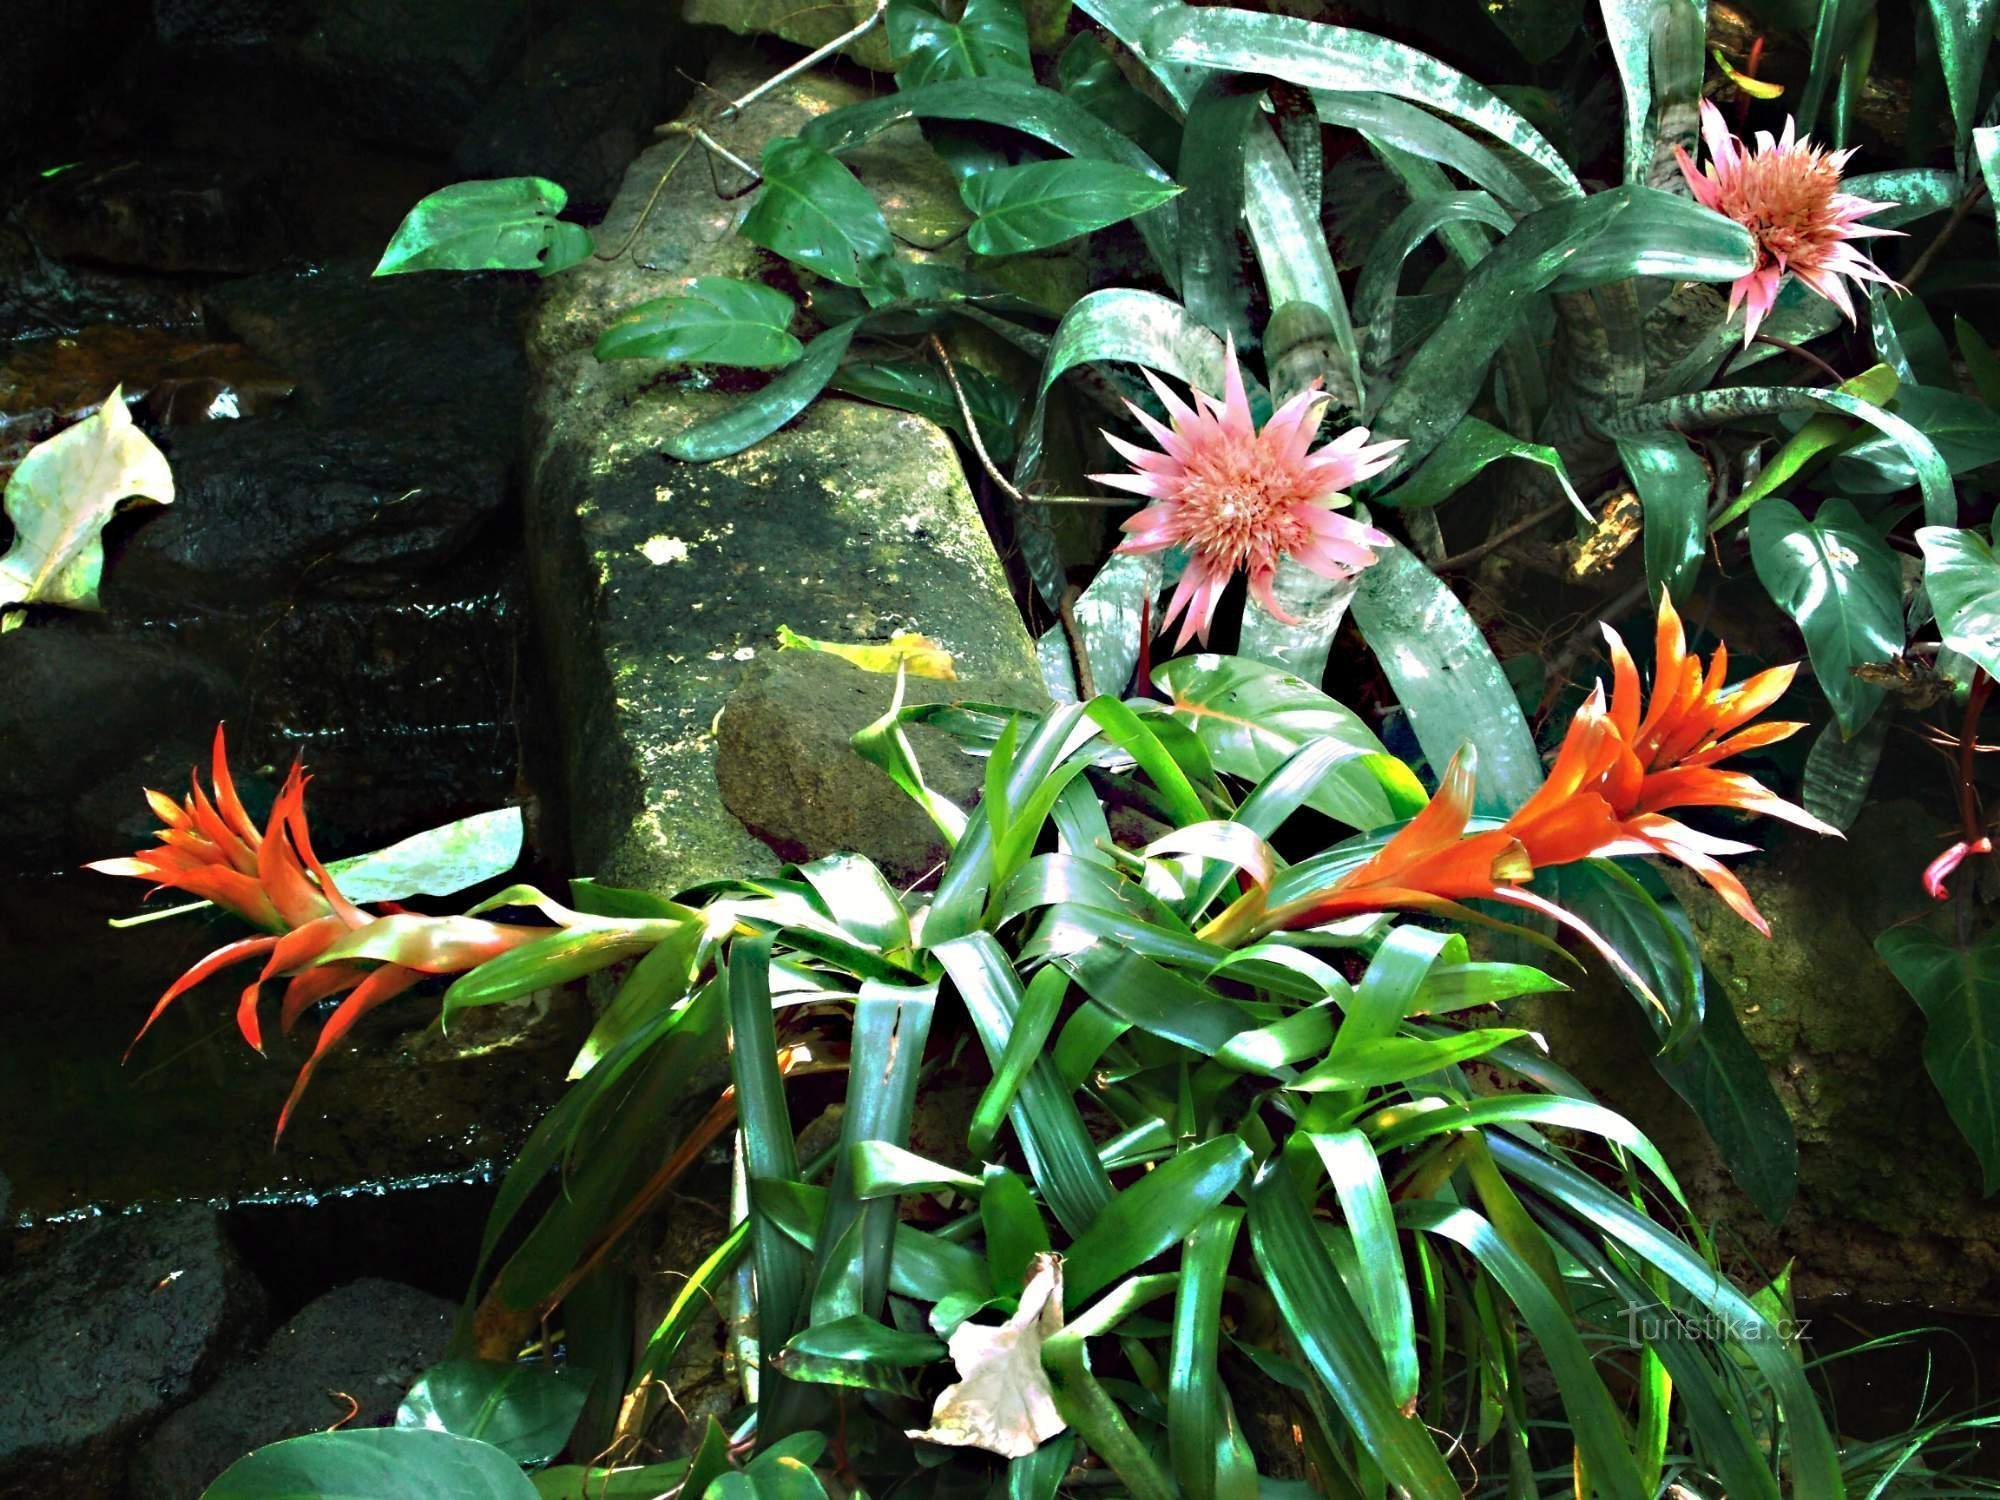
x,y
316,939
1621,768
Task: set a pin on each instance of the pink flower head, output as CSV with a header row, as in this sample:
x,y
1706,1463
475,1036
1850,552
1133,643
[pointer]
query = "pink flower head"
x,y
1240,498
1787,194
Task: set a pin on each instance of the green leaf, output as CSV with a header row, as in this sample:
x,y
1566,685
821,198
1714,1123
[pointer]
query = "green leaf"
x,y
544,962
911,385
1986,146
1026,1043
1446,677
718,320
1086,73
1962,578
814,211
1843,586
1914,192
505,224
633,1482
1048,203
1672,484
1381,1282
524,1409
1211,216
754,418
1384,1061
1980,361
1959,990
1660,234
1838,771
990,39
1727,1086
1465,451
864,1339
374,1463
1333,1336
1253,718
1965,432
1195,1394
1964,31
1658,951
1315,55
1154,1214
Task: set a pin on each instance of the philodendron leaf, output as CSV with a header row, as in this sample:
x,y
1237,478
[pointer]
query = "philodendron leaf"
x,y
1843,586
717,320
374,1463
989,40
502,224
758,416
814,211
1964,430
1962,577
525,1410
59,499
1959,991
1047,203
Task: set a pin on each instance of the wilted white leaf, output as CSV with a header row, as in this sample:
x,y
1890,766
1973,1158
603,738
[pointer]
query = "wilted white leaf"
x,y
1003,1401
61,496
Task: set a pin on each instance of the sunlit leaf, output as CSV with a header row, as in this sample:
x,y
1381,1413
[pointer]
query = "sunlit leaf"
x,y
755,417
504,224
813,210
374,1463
716,321
1046,203
525,1409
1843,586
989,39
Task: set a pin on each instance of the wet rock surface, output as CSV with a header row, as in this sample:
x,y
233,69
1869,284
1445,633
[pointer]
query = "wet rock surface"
x,y
107,1328
367,1341
788,773
658,582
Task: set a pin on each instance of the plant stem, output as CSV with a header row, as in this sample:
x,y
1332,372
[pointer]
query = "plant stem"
x,y
1967,201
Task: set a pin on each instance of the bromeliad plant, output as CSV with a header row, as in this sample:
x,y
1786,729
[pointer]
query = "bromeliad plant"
x,y
1256,1185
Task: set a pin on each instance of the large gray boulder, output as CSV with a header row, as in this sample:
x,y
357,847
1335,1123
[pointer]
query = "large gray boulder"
x,y
109,1328
367,1340
657,583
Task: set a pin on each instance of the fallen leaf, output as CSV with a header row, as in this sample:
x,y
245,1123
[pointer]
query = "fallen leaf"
x,y
59,500
917,654
1003,1401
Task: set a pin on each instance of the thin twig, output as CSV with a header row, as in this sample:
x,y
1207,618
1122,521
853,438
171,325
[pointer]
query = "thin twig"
x,y
1967,201
818,55
1806,354
726,154
1500,538
646,212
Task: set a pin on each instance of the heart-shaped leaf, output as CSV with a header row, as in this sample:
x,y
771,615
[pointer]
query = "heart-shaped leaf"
x,y
525,1410
989,40
503,224
814,211
718,320
374,1463
1844,587
59,499
1962,577
1047,203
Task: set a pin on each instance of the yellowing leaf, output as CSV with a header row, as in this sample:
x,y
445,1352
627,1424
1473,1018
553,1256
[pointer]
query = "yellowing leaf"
x,y
59,500
919,655
1003,1401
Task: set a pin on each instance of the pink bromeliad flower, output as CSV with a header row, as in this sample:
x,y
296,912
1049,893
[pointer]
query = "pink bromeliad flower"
x,y
1239,498
1787,194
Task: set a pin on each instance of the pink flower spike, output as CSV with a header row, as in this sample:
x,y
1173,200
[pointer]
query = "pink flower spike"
x,y
1787,194
1239,499
1940,869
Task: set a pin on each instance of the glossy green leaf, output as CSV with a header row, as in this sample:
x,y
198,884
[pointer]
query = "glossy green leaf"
x,y
1015,1233
1980,361
630,1482
1154,1214
374,1463
503,224
911,385
1033,1025
545,962
1195,1393
1375,292
1843,586
1660,234
1465,451
718,320
1958,988
1658,952
1292,253
1728,1087
1672,484
989,39
1381,1283
1384,1061
1048,203
752,418
1218,126
1965,431
1962,578
524,1409
1839,771
1316,55
1834,31
1964,30
1108,613
1120,323
1332,1335
1986,148
1447,678
814,211
1253,718
1086,73
1915,192
861,1338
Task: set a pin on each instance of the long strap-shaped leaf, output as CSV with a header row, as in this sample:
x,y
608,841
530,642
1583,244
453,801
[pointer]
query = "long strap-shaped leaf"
x,y
1815,1459
1330,1331
1446,677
